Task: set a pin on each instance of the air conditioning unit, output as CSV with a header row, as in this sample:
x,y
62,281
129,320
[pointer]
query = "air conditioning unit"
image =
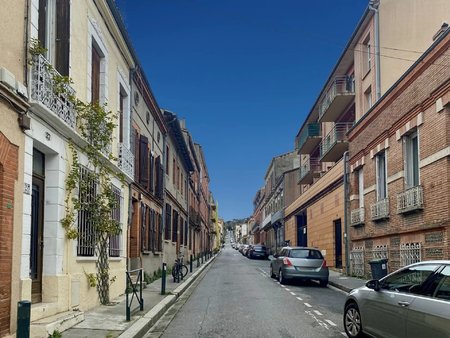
x,y
7,78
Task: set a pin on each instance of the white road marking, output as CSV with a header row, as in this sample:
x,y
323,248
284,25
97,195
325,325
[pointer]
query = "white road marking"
x,y
299,298
308,305
344,334
330,322
321,323
293,293
263,275
318,313
288,289
282,286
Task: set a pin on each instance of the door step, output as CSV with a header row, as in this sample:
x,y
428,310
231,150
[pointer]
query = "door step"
x,y
44,327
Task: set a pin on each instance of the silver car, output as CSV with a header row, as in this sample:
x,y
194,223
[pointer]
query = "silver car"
x,y
411,302
299,263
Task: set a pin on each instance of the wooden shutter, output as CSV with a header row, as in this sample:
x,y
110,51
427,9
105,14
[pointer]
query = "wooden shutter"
x,y
95,76
62,36
151,183
159,232
136,155
42,23
143,171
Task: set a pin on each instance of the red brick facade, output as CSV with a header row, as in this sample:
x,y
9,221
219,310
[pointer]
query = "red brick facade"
x,y
8,176
417,103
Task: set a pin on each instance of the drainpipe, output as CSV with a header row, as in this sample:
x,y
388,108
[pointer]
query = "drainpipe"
x,y
346,204
373,6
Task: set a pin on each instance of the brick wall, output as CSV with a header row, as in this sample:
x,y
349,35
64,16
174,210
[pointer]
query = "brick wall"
x,y
8,176
411,105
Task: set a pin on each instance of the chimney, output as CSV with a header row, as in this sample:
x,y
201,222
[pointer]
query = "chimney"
x,y
441,31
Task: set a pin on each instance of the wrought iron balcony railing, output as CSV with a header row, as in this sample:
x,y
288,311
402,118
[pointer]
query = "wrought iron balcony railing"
x,y
410,199
44,89
126,160
336,135
380,209
357,216
309,170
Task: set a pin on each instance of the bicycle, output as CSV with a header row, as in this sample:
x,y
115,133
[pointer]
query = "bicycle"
x,y
179,270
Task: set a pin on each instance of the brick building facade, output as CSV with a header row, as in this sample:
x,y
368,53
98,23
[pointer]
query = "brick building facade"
x,y
400,168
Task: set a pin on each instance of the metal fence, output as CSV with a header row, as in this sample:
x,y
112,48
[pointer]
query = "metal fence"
x,y
357,261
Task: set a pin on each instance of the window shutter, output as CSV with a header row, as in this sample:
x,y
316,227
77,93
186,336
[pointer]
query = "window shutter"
x,y
42,23
152,169
95,76
159,232
143,170
136,155
62,36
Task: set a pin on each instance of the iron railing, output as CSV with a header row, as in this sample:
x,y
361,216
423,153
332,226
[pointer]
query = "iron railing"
x,y
126,160
47,91
410,199
135,279
357,216
312,164
357,261
410,253
337,134
379,209
342,85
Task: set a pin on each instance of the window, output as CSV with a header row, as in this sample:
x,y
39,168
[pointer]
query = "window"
x,y
175,226
143,161
181,230
409,280
368,99
159,226
381,176
86,229
181,184
54,32
366,56
174,176
360,174
411,158
443,290
167,161
159,191
121,115
168,222
186,229
114,240
95,75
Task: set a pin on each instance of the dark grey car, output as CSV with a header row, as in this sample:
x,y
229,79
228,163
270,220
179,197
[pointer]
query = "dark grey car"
x,y
412,302
299,263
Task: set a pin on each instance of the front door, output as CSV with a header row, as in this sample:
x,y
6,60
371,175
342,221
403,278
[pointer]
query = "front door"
x,y
302,234
36,247
338,243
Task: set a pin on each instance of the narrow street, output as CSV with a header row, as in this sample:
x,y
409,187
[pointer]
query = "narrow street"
x,y
237,298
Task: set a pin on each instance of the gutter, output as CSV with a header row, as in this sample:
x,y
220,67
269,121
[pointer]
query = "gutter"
x,y
373,6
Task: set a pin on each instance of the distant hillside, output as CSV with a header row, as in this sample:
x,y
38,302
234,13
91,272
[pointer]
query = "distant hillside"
x,y
230,225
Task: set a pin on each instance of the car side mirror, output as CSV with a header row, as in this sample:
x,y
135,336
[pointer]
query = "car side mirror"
x,y
275,256
373,284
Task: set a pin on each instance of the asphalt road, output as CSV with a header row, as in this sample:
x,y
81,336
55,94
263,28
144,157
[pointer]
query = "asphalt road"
x,y
237,298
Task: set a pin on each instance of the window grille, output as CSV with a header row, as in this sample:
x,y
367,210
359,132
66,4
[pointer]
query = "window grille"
x,y
410,253
357,261
86,226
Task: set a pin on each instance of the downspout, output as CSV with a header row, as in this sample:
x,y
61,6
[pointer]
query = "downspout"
x,y
373,6
346,200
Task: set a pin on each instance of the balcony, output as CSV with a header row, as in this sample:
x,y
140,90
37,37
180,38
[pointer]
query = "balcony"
x,y
53,104
309,170
309,138
380,210
410,200
357,217
126,160
335,143
338,96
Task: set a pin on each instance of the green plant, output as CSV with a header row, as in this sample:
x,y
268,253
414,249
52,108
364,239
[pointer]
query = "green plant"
x,y
91,278
55,334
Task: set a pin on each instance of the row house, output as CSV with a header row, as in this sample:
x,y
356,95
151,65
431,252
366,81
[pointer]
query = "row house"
x,y
258,210
400,168
273,221
149,133
178,166
14,121
384,44
214,218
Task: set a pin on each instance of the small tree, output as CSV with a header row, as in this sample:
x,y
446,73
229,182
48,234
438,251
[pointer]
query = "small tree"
x,y
96,125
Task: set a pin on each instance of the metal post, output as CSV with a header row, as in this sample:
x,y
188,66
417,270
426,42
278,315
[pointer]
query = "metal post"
x,y
190,264
198,260
201,255
141,273
163,279
23,319
127,291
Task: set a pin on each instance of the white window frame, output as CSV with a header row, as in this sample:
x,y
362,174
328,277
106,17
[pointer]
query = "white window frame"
x,y
360,174
408,159
95,37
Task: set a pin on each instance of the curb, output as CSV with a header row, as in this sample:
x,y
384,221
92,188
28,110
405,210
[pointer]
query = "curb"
x,y
339,286
143,324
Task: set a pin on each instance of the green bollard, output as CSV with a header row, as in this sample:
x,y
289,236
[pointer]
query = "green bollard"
x,y
23,319
163,279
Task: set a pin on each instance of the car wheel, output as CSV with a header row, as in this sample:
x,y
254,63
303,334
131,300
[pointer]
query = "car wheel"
x,y
323,282
281,278
352,321
272,275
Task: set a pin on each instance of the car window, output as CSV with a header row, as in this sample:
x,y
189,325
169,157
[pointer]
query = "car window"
x,y
443,290
410,280
305,253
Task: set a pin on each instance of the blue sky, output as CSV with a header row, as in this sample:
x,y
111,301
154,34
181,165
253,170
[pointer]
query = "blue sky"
x,y
243,73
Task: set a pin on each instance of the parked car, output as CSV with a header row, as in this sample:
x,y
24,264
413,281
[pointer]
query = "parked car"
x,y
299,263
257,251
411,302
244,249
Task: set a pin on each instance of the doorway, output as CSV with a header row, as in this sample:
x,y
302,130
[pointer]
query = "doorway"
x,y
338,243
302,234
37,226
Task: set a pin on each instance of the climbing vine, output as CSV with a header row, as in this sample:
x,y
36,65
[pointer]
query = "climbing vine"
x,y
95,124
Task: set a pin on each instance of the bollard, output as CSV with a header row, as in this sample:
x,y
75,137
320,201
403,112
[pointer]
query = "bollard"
x,y
202,256
163,279
190,265
198,260
23,319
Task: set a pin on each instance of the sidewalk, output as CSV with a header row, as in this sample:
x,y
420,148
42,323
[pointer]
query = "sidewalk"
x,y
343,282
110,321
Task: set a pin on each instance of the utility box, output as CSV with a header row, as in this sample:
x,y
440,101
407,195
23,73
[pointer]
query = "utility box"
x,y
379,268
